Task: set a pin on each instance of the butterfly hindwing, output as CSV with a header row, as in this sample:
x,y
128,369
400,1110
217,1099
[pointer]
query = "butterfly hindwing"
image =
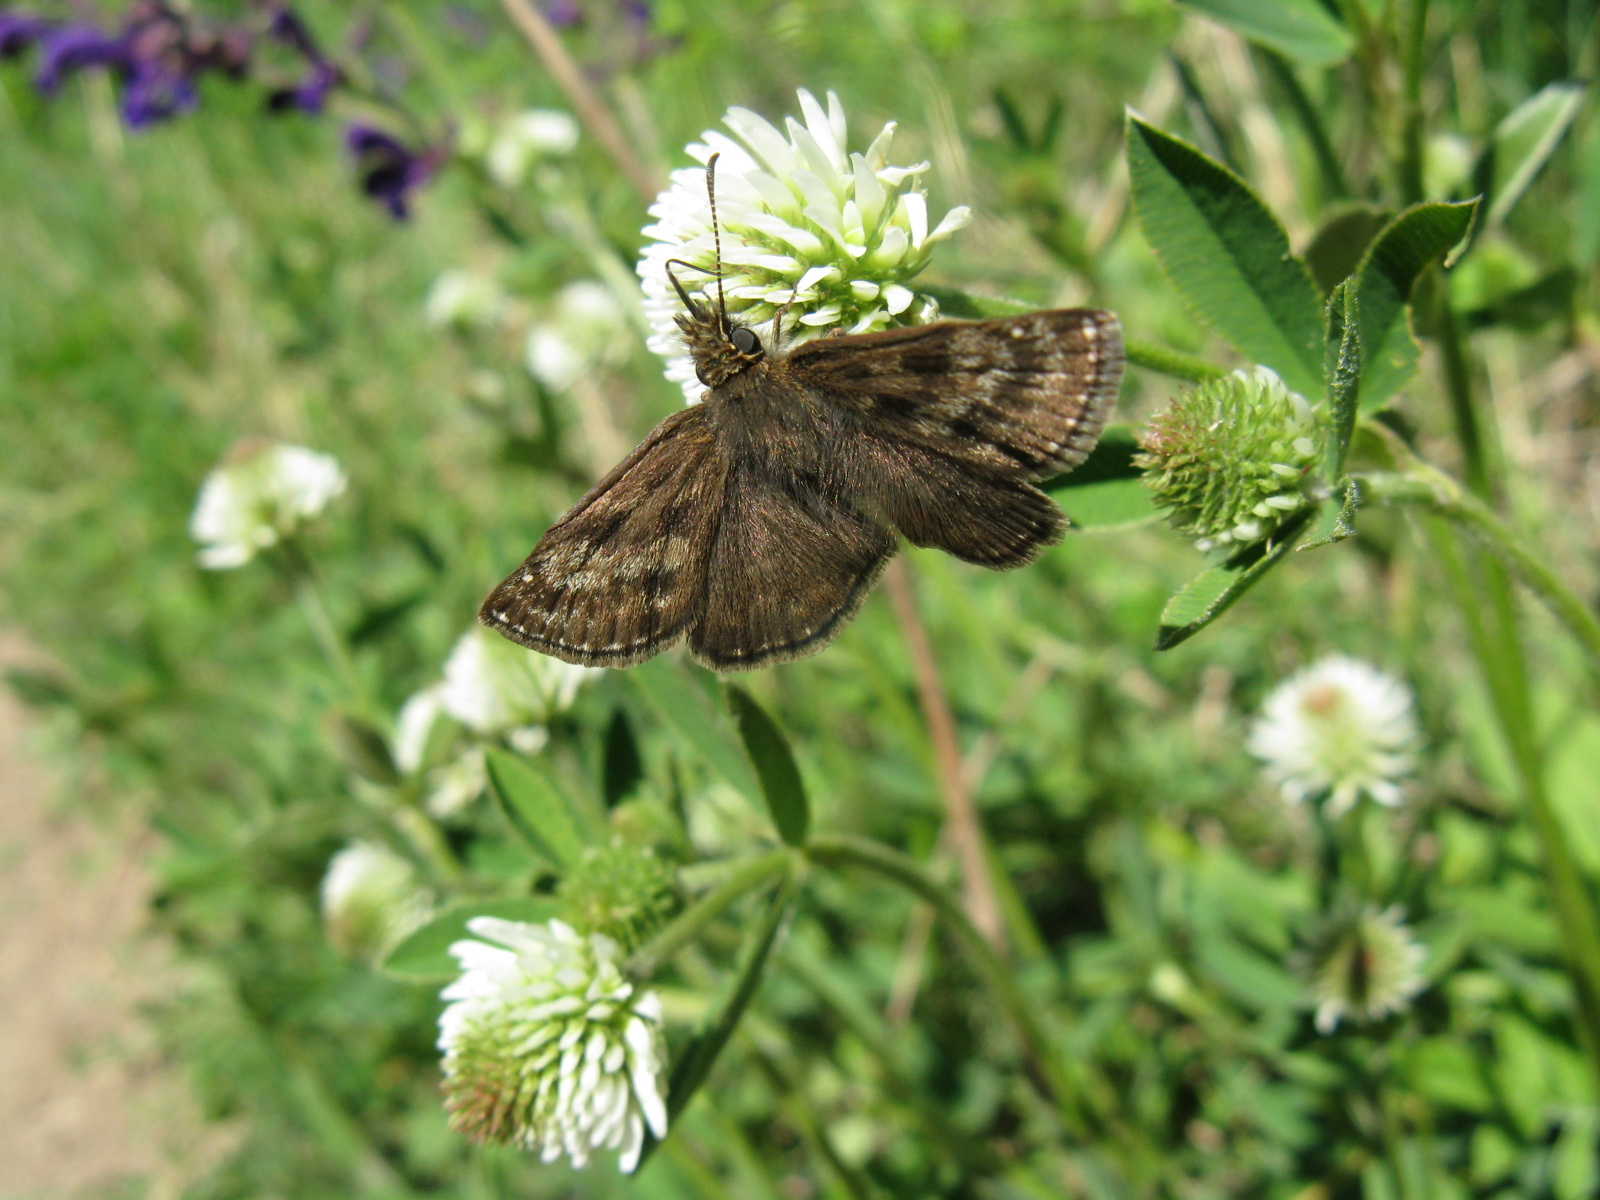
x,y
1021,398
789,568
618,578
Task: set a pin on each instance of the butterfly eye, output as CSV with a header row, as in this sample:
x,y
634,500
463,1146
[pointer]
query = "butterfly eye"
x,y
745,340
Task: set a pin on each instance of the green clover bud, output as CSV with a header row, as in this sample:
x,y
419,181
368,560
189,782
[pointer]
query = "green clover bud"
x,y
621,890
1232,458
1364,964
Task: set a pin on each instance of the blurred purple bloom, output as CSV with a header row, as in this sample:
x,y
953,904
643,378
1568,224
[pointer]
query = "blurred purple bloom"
x,y
153,93
18,31
71,48
637,12
563,13
390,171
310,95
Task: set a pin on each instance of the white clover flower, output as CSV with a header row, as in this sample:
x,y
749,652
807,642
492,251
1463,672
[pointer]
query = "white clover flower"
x,y
834,237
548,1047
524,138
259,495
586,328
1339,726
371,898
495,687
455,784
1366,968
463,298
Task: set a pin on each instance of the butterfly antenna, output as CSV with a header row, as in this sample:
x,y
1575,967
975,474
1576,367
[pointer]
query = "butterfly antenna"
x,y
716,230
695,311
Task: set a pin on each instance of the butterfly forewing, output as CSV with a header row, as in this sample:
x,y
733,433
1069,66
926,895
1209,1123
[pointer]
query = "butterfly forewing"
x,y
757,521
619,577
788,570
1024,396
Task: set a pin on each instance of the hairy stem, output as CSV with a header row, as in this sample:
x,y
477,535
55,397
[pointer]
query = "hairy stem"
x,y
591,110
688,924
1170,362
1045,1071
1334,184
961,816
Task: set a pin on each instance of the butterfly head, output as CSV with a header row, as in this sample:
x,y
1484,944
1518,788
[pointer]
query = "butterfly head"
x,y
720,346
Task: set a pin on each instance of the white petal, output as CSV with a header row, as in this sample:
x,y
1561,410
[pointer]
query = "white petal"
x,y
869,193
897,298
913,212
775,153
957,218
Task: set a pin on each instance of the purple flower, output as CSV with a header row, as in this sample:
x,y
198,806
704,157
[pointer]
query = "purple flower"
x,y
18,31
153,93
72,48
390,171
311,93
563,13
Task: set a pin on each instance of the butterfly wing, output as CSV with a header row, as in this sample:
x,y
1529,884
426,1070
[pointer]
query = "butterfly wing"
x,y
956,419
618,578
789,568
1021,398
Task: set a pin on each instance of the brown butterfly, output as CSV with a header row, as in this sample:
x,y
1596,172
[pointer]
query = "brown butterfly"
x,y
756,522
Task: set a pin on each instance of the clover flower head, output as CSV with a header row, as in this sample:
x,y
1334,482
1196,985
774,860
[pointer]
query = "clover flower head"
x,y
1340,727
1365,965
523,138
586,328
827,237
548,1046
371,898
623,891
495,687
258,496
1232,458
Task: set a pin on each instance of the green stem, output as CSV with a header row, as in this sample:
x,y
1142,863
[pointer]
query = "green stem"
x,y
1046,1074
795,1106
701,1054
1411,115
1427,488
1334,184
1170,362
688,924
309,596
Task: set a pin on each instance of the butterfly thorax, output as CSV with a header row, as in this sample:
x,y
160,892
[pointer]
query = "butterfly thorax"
x,y
714,342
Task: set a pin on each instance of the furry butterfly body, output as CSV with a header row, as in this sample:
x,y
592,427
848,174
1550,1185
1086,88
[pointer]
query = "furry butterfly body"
x,y
755,523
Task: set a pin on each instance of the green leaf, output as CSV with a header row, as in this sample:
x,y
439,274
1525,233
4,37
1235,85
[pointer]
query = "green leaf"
x,y
1300,29
1227,256
1336,521
1107,490
1522,143
683,704
781,785
1335,251
1208,595
424,955
1344,373
1389,270
539,813
622,770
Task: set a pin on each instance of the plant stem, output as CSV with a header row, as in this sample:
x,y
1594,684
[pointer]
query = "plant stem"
x,y
1334,184
961,816
1411,115
701,1054
688,924
1170,362
1439,493
1046,1072
591,110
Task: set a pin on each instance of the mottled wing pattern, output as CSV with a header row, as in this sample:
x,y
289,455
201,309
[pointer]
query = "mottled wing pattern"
x,y
1023,398
619,577
788,570
973,513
